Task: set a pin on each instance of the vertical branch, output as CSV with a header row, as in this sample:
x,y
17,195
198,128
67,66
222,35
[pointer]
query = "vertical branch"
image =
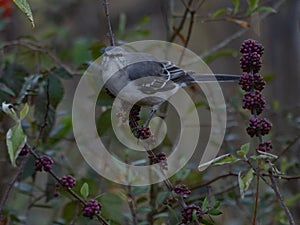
x,y
185,14
277,192
110,33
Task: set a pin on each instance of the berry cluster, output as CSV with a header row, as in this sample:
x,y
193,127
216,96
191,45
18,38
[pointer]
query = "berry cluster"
x,y
161,158
44,162
67,181
188,212
254,101
251,59
183,190
265,146
258,126
252,83
91,208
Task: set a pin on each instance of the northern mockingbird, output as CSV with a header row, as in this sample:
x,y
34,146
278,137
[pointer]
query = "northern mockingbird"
x,y
142,79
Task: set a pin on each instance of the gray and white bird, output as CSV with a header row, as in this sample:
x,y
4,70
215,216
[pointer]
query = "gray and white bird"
x,y
142,79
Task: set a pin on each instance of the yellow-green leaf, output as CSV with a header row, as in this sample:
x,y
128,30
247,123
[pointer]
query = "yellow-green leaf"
x,y
25,8
84,191
24,111
15,140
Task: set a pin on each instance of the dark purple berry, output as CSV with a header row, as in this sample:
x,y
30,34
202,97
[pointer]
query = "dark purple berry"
x,y
250,82
25,150
43,163
251,56
254,102
161,158
258,126
265,146
181,189
68,181
187,214
91,208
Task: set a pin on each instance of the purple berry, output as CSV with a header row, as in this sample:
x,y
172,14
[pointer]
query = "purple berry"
x,y
91,208
68,181
187,214
43,163
250,82
258,126
161,158
181,189
251,56
254,102
265,146
25,150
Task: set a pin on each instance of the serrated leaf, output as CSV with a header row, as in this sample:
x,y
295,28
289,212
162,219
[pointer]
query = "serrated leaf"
x,y
69,210
143,209
24,111
218,54
25,8
15,140
236,4
244,182
244,150
140,190
218,13
84,190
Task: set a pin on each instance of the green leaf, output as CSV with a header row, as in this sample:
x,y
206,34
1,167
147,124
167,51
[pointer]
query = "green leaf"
x,y
204,204
225,160
217,204
104,123
218,54
25,8
162,196
236,4
15,140
56,91
84,190
112,207
173,212
6,89
218,13
214,212
69,210
24,111
61,72
96,49
143,209
244,150
244,182
252,5
140,190
264,9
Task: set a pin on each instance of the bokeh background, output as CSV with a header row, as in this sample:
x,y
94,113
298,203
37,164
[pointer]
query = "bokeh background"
x,y
72,28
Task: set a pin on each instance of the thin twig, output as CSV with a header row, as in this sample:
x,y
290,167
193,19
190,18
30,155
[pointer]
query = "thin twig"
x,y
11,183
39,48
110,32
279,196
237,34
185,14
